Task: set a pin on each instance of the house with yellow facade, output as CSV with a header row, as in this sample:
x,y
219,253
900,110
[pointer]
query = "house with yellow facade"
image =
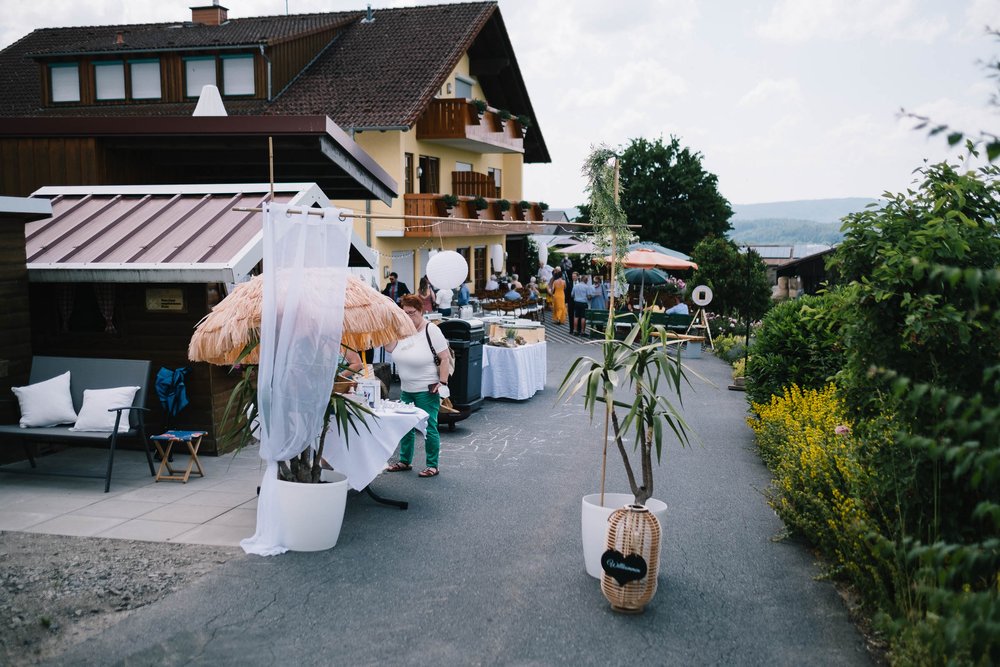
x,y
432,94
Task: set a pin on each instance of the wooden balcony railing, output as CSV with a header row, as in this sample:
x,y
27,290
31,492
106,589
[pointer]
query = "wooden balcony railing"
x,y
491,220
473,184
455,122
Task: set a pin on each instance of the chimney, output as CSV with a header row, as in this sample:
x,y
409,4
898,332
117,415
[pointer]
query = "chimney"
x,y
119,38
214,14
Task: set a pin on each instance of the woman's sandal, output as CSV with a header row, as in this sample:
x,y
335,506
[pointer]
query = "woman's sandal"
x,y
399,467
428,472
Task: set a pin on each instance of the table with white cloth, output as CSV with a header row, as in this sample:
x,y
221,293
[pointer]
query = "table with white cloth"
x,y
363,456
514,372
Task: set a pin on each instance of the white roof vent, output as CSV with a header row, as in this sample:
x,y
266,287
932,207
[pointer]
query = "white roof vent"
x,y
210,103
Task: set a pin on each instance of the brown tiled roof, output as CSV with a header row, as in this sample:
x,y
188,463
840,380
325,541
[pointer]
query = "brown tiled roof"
x,y
183,35
375,74
383,73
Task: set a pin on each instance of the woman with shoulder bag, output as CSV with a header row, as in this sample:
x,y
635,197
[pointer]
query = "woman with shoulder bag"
x,y
422,361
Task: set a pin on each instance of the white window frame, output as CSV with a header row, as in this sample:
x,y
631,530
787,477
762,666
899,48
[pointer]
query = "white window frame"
x,y
136,69
202,73
61,83
228,74
105,77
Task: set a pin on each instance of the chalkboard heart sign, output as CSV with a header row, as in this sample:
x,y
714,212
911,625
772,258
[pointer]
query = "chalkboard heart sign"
x,y
621,568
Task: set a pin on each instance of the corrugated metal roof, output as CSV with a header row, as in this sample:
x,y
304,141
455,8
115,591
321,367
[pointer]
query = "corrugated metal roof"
x,y
153,233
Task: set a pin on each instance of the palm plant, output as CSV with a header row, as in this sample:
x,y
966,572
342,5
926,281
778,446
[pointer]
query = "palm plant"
x,y
641,364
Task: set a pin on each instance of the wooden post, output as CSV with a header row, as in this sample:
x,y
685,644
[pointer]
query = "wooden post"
x,y
611,327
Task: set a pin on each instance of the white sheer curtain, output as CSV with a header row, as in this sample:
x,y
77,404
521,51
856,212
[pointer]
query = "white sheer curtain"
x,y
305,269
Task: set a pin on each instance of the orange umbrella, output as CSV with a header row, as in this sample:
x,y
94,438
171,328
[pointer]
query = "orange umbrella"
x,y
644,258
371,319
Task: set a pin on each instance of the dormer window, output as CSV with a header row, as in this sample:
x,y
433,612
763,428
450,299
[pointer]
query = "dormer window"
x,y
237,75
145,79
64,79
198,72
109,80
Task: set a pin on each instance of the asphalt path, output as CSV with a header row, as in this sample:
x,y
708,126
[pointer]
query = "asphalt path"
x,y
485,568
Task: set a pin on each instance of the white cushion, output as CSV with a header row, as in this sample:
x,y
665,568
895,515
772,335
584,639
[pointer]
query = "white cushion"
x,y
46,403
94,415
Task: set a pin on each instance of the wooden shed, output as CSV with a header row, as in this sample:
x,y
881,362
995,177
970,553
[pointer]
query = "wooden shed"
x,y
128,271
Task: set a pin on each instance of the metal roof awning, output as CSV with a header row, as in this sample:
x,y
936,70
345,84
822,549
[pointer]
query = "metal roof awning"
x,y
159,234
229,149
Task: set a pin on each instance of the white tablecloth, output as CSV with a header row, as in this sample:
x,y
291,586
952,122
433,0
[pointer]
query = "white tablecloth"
x,y
514,372
364,456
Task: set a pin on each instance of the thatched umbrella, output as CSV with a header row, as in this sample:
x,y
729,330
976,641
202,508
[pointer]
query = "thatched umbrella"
x,y
371,319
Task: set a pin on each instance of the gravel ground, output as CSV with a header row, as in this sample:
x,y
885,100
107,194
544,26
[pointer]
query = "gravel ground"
x,y
56,591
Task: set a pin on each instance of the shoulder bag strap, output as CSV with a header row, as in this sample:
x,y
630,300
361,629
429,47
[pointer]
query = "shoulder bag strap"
x,y
427,330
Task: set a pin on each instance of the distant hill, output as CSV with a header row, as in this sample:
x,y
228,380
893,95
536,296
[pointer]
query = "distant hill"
x,y
816,210
782,231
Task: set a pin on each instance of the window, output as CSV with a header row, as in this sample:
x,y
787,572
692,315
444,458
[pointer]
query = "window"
x,y
429,173
463,166
198,72
109,80
237,75
408,173
65,81
464,252
145,76
463,88
495,176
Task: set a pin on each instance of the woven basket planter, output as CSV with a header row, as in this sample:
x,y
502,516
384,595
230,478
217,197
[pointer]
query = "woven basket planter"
x,y
632,561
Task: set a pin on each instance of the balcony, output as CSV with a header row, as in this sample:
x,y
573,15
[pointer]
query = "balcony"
x,y
456,123
491,220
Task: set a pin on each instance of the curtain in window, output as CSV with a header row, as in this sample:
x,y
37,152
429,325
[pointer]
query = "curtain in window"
x,y
105,293
65,298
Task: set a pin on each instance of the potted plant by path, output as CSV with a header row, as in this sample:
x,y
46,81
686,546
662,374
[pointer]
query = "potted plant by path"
x,y
230,335
481,206
635,374
450,203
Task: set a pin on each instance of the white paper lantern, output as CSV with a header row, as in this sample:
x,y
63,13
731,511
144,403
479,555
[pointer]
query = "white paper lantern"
x,y
543,254
447,269
496,255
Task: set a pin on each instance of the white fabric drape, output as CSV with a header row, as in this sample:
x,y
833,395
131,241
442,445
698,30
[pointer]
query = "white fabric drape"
x,y
305,273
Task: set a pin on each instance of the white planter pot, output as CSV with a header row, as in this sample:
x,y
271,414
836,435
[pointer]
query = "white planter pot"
x,y
312,514
594,524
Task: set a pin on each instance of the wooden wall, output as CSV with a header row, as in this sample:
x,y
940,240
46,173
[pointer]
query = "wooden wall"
x,y
288,59
158,336
15,337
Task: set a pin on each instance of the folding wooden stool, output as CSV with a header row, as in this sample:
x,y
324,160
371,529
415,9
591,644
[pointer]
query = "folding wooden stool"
x,y
164,444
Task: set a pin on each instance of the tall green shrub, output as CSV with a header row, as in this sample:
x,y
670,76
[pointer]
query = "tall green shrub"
x,y
799,342
736,287
922,366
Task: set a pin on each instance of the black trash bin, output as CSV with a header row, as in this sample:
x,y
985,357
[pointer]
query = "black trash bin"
x,y
466,338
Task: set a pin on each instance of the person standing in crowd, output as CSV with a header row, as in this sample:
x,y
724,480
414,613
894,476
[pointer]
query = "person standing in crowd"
x,y
580,299
599,294
462,298
395,289
557,288
444,297
422,362
570,277
426,294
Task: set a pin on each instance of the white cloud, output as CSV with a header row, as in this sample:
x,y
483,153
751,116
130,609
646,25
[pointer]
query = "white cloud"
x,y
772,93
793,21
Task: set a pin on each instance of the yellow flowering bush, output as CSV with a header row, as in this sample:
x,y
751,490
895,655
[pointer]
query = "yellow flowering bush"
x,y
806,442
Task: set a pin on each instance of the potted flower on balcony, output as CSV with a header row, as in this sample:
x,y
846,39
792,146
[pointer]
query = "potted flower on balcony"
x,y
543,206
525,122
450,203
525,206
504,206
480,106
481,206
503,116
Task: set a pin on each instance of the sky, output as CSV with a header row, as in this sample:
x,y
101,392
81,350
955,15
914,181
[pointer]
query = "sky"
x,y
784,99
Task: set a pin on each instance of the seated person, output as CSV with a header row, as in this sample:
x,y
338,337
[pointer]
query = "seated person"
x,y
533,294
512,294
514,282
679,307
491,284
